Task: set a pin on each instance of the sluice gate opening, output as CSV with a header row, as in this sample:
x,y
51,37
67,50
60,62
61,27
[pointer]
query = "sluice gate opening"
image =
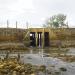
x,y
33,39
46,39
39,43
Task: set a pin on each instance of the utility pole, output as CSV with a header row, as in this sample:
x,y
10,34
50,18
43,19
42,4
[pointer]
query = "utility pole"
x,y
16,24
27,24
16,29
7,24
67,25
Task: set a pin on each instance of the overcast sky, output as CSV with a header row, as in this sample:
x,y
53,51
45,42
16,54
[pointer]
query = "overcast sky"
x,y
34,11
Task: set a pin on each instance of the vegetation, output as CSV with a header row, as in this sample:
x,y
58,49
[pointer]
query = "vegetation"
x,y
56,21
13,67
63,69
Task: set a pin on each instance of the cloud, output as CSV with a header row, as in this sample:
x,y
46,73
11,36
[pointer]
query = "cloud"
x,y
35,11
15,7
48,8
20,10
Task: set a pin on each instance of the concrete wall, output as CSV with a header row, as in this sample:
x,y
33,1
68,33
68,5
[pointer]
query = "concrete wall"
x,y
11,34
64,35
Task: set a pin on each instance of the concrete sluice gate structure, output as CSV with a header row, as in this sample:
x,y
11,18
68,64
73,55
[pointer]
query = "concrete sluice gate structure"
x,y
49,37
39,37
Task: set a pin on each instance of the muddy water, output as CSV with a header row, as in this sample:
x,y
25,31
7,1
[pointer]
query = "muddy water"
x,y
70,51
40,57
38,52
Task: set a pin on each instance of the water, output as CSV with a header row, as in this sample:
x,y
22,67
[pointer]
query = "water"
x,y
43,52
38,53
71,51
40,57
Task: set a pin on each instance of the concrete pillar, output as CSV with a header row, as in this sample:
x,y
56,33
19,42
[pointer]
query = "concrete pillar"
x,y
43,39
49,36
36,35
39,39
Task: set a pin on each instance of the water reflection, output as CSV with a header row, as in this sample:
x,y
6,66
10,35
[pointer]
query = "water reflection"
x,y
46,52
40,51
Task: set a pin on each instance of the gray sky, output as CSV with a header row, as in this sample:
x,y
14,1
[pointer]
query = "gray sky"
x,y
34,11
